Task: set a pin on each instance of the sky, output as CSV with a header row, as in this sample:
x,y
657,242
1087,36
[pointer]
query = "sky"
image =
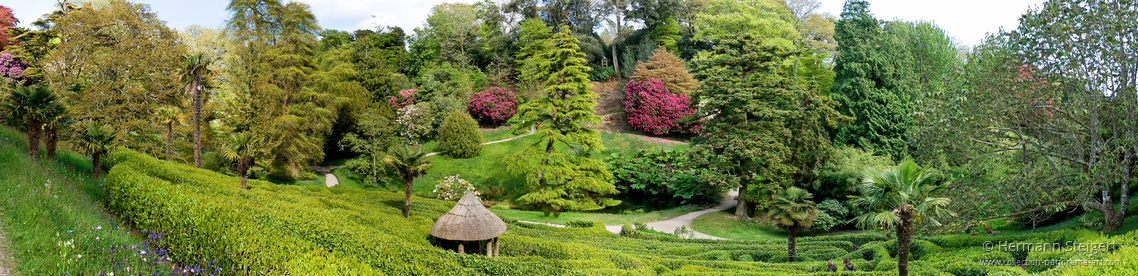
x,y
967,20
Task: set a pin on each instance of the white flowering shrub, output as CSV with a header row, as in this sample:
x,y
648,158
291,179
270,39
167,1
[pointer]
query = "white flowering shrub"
x,y
453,188
414,122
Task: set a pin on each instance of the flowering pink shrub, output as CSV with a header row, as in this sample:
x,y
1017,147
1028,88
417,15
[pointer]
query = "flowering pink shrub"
x,y
12,68
652,108
404,98
495,104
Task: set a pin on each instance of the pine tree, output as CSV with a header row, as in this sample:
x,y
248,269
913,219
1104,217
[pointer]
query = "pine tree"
x,y
459,136
871,84
561,172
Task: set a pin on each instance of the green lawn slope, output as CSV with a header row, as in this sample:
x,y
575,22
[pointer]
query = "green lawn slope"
x,y
52,218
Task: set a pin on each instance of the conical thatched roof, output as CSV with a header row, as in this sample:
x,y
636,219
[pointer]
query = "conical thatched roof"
x,y
468,221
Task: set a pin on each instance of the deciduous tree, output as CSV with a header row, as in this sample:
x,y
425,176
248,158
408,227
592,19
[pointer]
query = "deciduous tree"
x,y
669,68
117,77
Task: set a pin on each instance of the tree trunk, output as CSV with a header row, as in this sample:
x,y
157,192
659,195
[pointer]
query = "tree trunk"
x,y
904,238
741,209
244,178
169,138
50,142
197,120
615,64
490,248
791,243
407,199
33,132
497,245
95,163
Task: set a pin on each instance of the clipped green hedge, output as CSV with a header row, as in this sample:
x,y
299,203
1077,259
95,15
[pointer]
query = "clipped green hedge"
x,y
314,230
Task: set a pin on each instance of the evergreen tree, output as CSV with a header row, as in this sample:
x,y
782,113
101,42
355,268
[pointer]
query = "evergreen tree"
x,y
871,84
533,39
748,97
561,172
459,136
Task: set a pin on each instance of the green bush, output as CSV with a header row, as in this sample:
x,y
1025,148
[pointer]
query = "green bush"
x,y
442,107
830,213
459,136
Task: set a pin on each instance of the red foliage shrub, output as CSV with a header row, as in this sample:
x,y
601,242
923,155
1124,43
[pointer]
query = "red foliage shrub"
x,y
495,104
652,108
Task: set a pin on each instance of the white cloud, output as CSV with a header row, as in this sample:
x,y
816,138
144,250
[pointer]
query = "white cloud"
x,y
349,15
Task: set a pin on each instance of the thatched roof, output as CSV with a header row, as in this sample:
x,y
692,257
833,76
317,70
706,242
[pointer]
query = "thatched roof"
x,y
468,221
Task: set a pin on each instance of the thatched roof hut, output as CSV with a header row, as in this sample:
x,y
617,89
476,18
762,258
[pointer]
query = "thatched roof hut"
x,y
469,221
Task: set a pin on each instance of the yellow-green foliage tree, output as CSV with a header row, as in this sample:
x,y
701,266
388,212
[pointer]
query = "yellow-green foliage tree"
x,y
459,136
561,172
274,71
120,62
668,68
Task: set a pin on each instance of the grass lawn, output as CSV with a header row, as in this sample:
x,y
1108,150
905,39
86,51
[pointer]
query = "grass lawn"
x,y
605,218
725,224
53,222
488,135
488,170
348,178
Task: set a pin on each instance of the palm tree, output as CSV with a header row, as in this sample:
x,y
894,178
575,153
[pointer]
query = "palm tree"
x,y
31,104
408,162
793,209
240,148
96,140
55,119
194,67
894,197
169,116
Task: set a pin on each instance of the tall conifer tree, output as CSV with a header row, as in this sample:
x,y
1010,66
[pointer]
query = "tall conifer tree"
x,y
561,172
871,83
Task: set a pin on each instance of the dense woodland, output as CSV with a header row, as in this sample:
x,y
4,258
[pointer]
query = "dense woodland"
x,y
821,121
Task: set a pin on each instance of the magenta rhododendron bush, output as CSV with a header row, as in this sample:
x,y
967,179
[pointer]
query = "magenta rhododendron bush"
x,y
12,68
652,108
404,98
495,104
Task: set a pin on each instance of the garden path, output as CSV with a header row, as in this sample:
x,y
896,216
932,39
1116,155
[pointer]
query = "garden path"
x,y
670,225
487,143
7,263
329,178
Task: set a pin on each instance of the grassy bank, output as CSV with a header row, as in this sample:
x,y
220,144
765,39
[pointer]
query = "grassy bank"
x,y
53,221
726,225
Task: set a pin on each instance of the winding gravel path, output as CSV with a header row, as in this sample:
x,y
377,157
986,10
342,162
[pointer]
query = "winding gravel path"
x,y
670,225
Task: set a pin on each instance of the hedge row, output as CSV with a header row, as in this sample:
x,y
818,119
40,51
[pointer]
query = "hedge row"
x,y
314,230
